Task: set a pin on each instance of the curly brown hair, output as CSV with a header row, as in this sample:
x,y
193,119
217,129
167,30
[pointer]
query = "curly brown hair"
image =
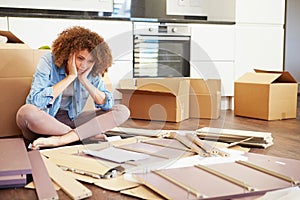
x,y
76,39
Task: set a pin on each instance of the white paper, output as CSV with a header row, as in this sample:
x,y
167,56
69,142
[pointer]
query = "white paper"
x,y
292,193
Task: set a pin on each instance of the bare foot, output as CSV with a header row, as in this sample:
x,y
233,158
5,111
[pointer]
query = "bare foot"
x,y
52,141
55,141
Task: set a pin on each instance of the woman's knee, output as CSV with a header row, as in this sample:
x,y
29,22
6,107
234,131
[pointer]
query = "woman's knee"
x,y
27,111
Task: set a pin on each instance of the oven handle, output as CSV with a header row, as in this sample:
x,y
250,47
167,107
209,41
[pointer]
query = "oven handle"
x,y
166,38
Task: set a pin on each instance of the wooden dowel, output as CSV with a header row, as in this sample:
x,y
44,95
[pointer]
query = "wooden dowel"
x,y
226,177
183,186
162,145
270,172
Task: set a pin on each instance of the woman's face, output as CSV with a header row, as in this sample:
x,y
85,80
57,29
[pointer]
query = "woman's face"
x,y
84,61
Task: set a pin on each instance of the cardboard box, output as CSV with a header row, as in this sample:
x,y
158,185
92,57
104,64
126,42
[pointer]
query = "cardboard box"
x,y
205,98
267,95
17,66
162,99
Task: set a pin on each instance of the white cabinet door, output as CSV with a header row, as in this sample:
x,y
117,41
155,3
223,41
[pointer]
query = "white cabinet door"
x,y
3,24
212,42
215,70
119,70
260,11
259,46
212,54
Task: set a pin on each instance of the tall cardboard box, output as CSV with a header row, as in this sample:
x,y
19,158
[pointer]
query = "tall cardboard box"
x,y
205,98
266,95
161,99
17,65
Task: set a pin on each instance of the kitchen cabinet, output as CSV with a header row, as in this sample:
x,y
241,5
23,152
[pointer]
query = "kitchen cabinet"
x,y
259,35
212,53
37,32
3,24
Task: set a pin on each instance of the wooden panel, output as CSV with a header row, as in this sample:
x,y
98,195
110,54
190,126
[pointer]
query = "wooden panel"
x,y
42,181
68,184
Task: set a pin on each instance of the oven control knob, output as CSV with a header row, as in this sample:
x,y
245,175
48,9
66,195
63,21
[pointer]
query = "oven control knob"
x,y
150,29
174,30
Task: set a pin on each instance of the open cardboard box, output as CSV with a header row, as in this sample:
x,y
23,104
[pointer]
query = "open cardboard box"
x,y
268,95
162,99
172,99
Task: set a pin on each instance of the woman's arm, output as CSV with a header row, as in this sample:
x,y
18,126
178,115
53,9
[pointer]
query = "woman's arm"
x,y
98,96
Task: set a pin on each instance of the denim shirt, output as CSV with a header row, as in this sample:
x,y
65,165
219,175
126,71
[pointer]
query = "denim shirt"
x,y
47,75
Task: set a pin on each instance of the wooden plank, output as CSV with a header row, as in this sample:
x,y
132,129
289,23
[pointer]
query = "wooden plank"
x,y
68,184
207,147
85,165
10,149
142,192
42,181
189,144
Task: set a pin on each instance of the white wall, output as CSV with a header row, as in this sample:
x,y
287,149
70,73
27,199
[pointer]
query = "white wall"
x,y
292,41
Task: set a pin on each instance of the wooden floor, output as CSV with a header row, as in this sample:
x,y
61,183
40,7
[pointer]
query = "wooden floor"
x,y
286,135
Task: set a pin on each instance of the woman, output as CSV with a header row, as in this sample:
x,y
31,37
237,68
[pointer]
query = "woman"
x,y
60,87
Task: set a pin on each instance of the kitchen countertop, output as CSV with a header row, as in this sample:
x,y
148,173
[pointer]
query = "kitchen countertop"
x,y
39,13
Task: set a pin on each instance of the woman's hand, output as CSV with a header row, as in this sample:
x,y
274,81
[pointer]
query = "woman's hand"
x,y
83,76
71,68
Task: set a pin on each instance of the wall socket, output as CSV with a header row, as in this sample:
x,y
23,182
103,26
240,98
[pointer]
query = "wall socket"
x,y
183,2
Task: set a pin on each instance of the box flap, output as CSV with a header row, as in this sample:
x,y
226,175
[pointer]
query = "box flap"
x,y
259,78
174,86
11,38
163,85
127,84
285,77
201,86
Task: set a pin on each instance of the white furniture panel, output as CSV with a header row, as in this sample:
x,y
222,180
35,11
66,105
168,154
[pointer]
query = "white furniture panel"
x,y
212,42
215,70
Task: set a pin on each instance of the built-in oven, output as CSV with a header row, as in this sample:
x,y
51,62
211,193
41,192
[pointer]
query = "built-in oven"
x,y
161,50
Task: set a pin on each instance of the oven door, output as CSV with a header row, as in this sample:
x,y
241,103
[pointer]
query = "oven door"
x,y
161,56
